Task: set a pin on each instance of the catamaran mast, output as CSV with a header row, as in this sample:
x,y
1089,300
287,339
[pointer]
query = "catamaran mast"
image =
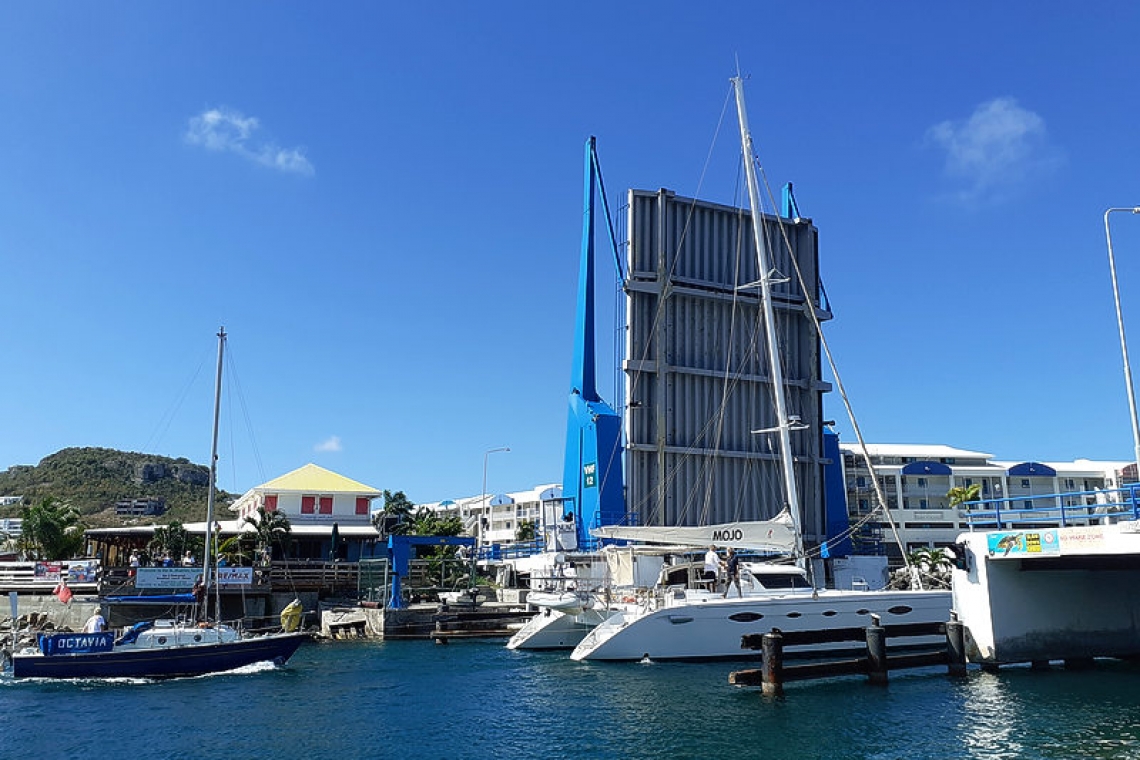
x,y
765,271
207,560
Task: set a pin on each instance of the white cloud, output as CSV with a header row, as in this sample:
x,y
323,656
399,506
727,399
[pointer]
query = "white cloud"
x,y
224,129
1000,149
332,443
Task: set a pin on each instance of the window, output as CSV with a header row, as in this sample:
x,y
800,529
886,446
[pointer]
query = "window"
x,y
861,482
308,505
271,502
922,482
1069,483
922,504
1029,503
969,482
362,505
1025,482
326,505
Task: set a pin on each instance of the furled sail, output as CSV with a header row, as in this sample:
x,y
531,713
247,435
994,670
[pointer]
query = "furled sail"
x,y
777,534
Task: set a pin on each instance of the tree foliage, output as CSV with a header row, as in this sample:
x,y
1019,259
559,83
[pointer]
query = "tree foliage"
x,y
272,530
396,516
50,530
175,540
959,495
525,530
429,523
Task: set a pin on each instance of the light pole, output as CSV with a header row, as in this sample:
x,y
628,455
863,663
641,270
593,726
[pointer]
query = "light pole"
x,y
483,508
1123,342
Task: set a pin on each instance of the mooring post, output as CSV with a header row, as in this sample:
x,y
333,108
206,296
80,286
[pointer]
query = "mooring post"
x,y
876,651
772,669
955,646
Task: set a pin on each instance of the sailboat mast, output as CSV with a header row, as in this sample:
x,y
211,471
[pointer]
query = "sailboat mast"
x,y
775,367
207,560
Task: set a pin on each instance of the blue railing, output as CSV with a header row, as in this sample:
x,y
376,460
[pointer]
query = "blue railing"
x,y
1069,508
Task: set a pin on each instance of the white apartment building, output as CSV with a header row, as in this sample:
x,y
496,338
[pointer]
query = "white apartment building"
x,y
502,513
916,478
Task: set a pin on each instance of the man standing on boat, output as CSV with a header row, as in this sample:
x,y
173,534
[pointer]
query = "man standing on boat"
x,y
732,573
96,623
712,567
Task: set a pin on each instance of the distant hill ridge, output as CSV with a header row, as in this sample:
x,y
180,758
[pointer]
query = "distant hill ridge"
x,y
93,479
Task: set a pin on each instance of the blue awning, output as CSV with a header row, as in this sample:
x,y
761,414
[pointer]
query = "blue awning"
x,y
1032,468
926,468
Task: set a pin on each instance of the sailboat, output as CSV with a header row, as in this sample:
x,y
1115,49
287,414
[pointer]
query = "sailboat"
x,y
682,622
170,647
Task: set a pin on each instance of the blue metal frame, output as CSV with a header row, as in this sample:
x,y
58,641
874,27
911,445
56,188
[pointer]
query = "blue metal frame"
x,y
592,479
400,558
999,514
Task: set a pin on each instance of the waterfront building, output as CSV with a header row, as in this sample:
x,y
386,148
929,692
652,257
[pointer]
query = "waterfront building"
x,y
502,514
317,502
916,479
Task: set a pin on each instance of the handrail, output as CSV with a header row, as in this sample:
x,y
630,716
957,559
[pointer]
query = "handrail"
x,y
1093,505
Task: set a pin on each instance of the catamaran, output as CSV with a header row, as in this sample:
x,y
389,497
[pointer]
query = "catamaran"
x,y
682,621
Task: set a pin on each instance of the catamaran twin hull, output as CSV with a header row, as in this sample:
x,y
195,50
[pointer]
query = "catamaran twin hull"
x,y
159,662
712,628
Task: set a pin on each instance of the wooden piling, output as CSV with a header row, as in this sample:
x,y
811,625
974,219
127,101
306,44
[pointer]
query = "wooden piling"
x,y
773,666
955,648
876,652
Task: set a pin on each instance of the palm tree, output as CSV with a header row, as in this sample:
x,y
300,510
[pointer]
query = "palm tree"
x,y
175,540
396,517
959,495
272,529
934,564
50,530
525,531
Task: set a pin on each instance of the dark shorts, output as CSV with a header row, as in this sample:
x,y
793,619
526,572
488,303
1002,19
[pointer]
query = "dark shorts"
x,y
709,575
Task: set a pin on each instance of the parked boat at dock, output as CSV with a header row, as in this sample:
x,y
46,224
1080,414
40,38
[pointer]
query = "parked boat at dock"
x,y
686,622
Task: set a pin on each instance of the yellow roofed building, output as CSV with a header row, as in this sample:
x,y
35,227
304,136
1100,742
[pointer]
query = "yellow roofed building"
x,y
311,495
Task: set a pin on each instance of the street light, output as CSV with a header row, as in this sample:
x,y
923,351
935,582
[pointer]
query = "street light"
x,y
483,508
1123,342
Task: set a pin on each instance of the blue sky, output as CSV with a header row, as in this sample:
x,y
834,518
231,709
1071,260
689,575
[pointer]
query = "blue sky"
x,y
382,204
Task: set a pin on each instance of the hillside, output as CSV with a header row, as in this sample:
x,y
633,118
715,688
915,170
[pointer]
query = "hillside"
x,y
93,479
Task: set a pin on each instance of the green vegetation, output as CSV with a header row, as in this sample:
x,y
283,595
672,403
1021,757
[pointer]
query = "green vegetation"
x,y
91,480
51,530
174,540
271,531
396,516
525,530
959,495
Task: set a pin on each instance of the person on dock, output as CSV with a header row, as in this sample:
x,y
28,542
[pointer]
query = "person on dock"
x,y
712,567
732,572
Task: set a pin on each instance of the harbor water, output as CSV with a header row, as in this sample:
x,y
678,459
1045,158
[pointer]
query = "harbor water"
x,y
476,699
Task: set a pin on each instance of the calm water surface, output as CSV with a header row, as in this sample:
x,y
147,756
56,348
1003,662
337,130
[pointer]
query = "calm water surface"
x,y
478,700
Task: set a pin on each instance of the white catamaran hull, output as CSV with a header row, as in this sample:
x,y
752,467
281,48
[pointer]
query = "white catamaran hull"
x,y
712,627
551,629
